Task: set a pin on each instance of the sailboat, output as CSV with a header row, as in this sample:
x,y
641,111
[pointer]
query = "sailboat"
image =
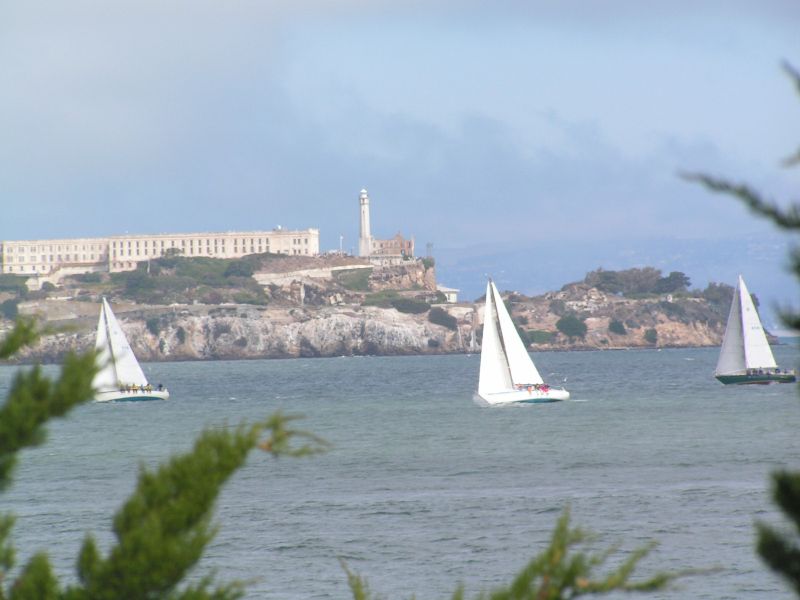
x,y
507,374
119,376
745,356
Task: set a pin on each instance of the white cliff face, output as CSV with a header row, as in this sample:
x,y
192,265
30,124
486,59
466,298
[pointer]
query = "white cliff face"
x,y
200,332
276,333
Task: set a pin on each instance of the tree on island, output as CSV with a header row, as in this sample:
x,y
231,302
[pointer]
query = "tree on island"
x,y
616,326
572,326
674,282
779,549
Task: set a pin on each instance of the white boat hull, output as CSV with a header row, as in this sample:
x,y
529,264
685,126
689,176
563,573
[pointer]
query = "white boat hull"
x,y
524,396
138,395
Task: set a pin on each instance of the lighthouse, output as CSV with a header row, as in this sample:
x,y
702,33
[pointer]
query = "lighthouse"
x,y
364,238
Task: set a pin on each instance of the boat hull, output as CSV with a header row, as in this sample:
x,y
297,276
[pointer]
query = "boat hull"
x,y
533,396
135,396
757,379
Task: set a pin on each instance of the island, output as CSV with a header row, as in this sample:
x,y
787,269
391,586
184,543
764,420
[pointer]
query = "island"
x,y
279,306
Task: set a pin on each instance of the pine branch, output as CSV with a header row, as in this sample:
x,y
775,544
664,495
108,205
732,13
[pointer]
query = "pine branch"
x,y
793,74
164,527
358,585
25,333
789,219
781,555
786,493
33,399
36,582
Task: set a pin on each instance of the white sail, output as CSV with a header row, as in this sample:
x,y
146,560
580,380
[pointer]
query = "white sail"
x,y
731,356
106,376
745,344
494,374
118,365
523,371
757,353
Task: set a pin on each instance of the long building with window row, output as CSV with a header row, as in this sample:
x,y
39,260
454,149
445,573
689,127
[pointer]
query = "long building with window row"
x,y
123,252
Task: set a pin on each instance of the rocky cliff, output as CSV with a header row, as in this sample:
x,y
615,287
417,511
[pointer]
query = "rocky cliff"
x,y
615,321
343,307
233,332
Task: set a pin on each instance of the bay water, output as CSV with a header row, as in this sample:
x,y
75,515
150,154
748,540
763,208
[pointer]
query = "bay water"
x,y
422,488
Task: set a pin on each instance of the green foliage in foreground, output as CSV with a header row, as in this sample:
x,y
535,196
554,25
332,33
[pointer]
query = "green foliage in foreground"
x,y
779,549
163,528
557,573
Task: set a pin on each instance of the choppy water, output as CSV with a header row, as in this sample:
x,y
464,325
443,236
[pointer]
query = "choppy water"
x,y
424,489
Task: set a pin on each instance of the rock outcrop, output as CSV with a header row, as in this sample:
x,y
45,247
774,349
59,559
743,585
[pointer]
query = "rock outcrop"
x,y
234,332
319,312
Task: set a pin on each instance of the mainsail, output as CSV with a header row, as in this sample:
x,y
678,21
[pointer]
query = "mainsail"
x,y
494,374
116,361
757,353
505,362
745,344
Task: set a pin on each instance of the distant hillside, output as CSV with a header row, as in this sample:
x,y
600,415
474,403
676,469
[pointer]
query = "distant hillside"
x,y
624,309
268,306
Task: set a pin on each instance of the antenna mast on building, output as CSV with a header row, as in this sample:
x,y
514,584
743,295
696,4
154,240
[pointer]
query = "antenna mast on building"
x,y
429,249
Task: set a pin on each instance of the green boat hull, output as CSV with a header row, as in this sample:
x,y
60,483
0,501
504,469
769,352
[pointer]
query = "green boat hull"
x,y
763,378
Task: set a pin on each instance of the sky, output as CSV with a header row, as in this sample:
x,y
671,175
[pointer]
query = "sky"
x,y
531,141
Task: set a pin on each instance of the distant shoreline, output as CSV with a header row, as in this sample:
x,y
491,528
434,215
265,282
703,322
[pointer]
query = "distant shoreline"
x,y
57,361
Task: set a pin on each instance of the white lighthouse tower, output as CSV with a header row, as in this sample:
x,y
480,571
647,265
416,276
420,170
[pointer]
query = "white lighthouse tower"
x,y
364,238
